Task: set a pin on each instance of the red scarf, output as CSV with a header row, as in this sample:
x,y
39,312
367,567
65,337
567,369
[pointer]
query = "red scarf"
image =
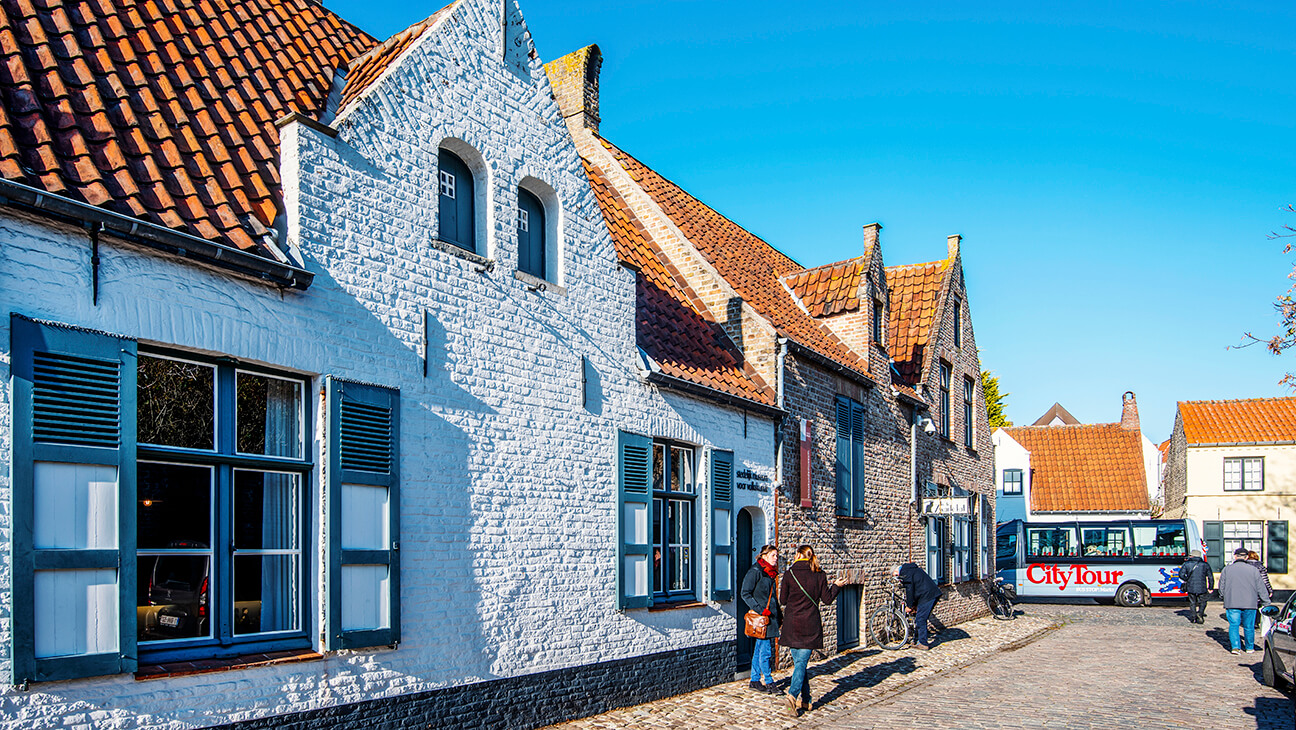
x,y
770,570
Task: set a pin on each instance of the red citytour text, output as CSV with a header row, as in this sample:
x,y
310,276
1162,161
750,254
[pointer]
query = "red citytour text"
x,y
1078,575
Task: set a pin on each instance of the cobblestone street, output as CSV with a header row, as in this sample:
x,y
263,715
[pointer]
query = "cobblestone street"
x,y
1062,666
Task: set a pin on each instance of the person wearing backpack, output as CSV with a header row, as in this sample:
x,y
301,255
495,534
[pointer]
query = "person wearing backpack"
x,y
1197,580
921,595
803,588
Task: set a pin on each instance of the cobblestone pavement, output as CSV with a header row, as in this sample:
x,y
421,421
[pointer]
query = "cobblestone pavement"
x,y
1062,666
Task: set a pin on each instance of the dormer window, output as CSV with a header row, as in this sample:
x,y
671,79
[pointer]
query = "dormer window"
x,y
456,223
958,322
877,323
531,230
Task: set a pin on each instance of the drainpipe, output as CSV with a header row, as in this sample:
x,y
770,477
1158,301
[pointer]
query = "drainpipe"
x,y
913,475
778,431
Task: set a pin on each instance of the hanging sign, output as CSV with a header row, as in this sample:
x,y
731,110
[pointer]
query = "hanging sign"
x,y
947,506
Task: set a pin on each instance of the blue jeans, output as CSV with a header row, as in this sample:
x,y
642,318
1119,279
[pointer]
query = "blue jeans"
x,y
921,615
1247,618
761,650
799,686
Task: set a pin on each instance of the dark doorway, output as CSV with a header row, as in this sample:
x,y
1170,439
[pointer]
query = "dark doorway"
x,y
743,564
848,610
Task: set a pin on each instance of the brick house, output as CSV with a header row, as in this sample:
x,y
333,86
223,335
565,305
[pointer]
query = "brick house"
x,y
1231,465
323,363
856,352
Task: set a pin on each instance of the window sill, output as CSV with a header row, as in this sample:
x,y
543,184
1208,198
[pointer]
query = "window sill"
x,y
463,253
209,666
674,606
535,283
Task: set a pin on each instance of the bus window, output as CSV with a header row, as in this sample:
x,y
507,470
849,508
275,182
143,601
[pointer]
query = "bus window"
x,y
1160,539
1105,541
1006,552
1051,541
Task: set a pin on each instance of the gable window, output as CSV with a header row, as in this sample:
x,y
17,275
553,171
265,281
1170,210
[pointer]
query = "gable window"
x,y
1012,481
674,498
944,400
531,232
969,425
850,458
877,323
455,220
1244,474
958,321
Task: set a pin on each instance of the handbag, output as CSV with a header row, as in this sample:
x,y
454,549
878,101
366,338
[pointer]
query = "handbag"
x,y
756,625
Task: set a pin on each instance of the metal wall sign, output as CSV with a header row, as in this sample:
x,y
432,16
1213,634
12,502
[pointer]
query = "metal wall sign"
x,y
947,506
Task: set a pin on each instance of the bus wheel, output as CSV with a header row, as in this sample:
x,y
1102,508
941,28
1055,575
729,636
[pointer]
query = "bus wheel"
x,y
1130,595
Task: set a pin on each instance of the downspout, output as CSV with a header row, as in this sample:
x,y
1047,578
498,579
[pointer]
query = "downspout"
x,y
778,431
913,476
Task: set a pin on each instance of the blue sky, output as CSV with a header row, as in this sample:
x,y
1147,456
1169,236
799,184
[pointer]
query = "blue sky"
x,y
1114,168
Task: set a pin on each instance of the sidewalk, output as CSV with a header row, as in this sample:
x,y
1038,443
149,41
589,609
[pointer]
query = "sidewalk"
x,y
839,685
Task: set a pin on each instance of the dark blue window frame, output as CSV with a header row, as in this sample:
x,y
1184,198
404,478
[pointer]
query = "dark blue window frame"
x,y
664,572
532,234
1012,477
945,375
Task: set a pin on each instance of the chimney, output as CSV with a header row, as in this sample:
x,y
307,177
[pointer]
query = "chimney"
x,y
1129,412
871,231
953,242
575,80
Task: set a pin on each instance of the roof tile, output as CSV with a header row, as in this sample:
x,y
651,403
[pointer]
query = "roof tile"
x,y
914,292
1084,468
1249,421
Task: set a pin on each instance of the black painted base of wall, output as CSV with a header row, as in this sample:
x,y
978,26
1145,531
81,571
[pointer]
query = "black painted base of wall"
x,y
531,701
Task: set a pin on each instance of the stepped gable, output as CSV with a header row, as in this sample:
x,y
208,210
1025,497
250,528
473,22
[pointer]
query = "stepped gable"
x,y
165,110
1247,421
914,297
671,324
1084,468
829,289
366,69
750,265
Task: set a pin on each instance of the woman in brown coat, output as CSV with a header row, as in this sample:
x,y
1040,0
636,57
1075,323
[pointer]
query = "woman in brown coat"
x,y
803,588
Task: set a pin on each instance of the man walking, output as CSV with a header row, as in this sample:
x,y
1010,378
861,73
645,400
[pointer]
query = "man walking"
x,y
1198,580
1242,589
921,595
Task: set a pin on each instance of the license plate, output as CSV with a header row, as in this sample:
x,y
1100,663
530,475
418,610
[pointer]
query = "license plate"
x,y
170,622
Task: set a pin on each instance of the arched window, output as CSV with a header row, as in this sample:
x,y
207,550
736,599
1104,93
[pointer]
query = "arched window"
x,y
456,215
531,229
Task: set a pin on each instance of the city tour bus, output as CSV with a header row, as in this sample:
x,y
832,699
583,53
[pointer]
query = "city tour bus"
x,y
1128,561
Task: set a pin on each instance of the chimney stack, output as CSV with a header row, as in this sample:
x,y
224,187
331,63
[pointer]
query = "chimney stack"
x,y
953,242
575,81
871,231
1129,412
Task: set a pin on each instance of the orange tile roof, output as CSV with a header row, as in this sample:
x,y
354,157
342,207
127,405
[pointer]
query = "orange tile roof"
x,y
672,326
164,110
750,265
1249,421
829,289
915,292
1085,468
366,69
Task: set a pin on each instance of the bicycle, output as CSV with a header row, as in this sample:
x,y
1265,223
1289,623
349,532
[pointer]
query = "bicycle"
x,y
1000,599
890,625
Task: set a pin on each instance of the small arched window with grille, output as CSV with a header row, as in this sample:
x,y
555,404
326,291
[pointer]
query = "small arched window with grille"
x,y
531,230
456,223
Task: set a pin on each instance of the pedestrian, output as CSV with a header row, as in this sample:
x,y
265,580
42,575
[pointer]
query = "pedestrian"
x,y
757,592
921,595
1254,558
1242,589
803,588
1197,580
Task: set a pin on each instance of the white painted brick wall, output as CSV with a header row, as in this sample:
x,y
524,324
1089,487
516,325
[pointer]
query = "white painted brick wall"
x,y
508,485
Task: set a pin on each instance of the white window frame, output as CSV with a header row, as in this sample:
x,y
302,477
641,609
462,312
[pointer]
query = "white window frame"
x,y
1243,482
447,184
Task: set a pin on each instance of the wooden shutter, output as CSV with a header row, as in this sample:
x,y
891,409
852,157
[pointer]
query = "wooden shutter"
x,y
456,221
531,241
722,485
363,503
845,480
1276,547
1213,535
857,460
73,558
634,521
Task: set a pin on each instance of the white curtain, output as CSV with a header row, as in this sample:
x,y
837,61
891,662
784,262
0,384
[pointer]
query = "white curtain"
x,y
279,518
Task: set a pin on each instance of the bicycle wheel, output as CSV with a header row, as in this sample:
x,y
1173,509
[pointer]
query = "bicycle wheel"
x,y
1000,606
888,629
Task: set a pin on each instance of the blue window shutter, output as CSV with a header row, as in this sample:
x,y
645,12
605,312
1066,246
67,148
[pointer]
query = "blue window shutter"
x,y
844,480
722,486
74,403
1213,535
531,242
857,459
634,521
456,221
363,503
1276,547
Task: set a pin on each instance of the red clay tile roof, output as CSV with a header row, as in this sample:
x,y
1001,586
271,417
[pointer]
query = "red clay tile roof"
x,y
366,69
829,289
1085,468
915,292
1251,421
671,324
750,265
164,110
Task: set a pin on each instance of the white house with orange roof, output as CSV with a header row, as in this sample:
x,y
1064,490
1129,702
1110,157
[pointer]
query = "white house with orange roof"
x,y
1231,465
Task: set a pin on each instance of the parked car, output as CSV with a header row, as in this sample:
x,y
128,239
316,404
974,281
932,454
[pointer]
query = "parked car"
x,y
178,584
1280,644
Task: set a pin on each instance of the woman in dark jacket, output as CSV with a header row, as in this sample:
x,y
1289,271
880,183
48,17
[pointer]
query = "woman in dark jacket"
x,y
804,587
758,593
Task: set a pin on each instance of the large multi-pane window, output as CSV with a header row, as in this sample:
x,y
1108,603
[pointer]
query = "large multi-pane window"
x,y
945,400
1012,481
221,483
674,499
961,547
1245,474
969,430
1249,535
